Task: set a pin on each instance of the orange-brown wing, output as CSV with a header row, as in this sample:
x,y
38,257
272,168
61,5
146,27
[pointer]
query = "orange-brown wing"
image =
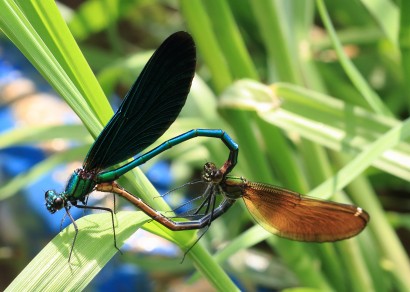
x,y
302,218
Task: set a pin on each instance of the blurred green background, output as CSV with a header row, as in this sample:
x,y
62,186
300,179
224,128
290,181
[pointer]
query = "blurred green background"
x,y
316,93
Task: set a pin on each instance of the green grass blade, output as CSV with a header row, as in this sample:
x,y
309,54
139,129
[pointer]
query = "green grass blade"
x,y
38,134
230,40
200,26
386,14
94,247
355,77
276,37
46,19
17,27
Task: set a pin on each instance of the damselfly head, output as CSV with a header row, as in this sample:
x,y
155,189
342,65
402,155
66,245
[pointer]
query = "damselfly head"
x,y
54,201
211,173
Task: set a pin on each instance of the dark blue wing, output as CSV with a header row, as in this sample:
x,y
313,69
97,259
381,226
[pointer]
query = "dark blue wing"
x,y
150,107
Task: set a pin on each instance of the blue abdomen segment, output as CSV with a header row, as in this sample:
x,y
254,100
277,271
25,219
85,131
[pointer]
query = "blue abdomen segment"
x,y
112,175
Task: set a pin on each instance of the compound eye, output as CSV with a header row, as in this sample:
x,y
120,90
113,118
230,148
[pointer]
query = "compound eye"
x,y
48,194
58,203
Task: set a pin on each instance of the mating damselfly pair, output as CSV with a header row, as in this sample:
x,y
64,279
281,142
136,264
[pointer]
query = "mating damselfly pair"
x,y
149,108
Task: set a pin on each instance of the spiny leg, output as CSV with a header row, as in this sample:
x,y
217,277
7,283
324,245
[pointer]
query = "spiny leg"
x,y
210,199
85,202
207,203
189,202
178,188
115,205
212,202
63,219
206,194
186,203
67,209
112,220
